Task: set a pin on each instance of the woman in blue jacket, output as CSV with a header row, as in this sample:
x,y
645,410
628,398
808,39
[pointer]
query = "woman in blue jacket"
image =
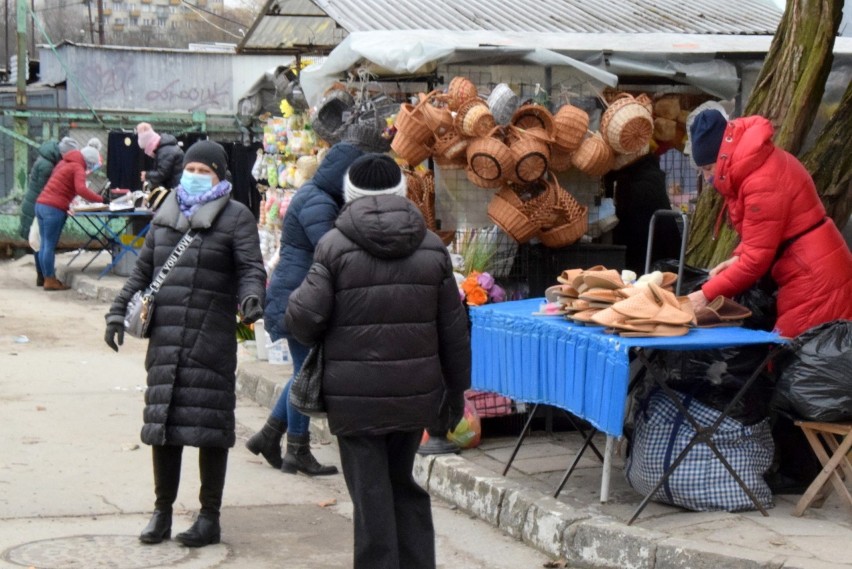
x,y
310,215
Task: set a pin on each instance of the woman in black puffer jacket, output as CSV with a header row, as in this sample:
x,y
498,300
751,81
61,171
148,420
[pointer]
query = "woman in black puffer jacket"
x,y
382,298
192,352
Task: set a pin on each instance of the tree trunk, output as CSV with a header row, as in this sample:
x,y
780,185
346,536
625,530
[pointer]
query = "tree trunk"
x,y
830,162
788,92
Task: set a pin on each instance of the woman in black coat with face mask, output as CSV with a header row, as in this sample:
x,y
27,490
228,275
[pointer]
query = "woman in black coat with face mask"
x,y
192,352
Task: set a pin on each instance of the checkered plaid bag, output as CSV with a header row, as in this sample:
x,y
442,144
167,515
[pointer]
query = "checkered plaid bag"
x,y
700,481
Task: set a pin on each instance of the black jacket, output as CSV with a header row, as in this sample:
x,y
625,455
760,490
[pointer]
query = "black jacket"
x,y
382,296
168,163
639,189
192,353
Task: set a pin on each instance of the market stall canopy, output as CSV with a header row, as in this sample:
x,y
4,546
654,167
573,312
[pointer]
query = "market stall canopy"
x,y
290,26
419,51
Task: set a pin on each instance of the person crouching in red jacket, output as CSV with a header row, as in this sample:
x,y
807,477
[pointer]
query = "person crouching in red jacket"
x,y
66,181
774,207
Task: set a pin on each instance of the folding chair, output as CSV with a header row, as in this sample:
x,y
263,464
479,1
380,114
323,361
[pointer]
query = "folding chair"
x,y
836,437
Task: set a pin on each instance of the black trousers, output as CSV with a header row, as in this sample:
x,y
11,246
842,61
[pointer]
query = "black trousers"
x,y
392,513
212,466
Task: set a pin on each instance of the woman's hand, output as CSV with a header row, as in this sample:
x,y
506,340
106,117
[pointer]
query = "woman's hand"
x,y
723,265
697,299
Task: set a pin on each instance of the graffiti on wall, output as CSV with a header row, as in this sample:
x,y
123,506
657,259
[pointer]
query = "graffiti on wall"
x,y
217,95
113,81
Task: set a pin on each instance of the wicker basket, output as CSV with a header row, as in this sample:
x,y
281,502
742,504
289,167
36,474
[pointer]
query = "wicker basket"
x,y
409,149
366,136
531,151
570,127
459,91
328,122
503,103
474,119
439,120
490,160
594,157
627,125
533,116
421,190
572,219
560,161
506,210
449,151
410,122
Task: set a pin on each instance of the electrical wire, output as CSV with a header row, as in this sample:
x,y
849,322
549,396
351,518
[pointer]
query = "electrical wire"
x,y
198,12
221,17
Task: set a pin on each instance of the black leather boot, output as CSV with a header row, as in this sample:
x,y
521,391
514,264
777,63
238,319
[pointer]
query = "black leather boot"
x,y
158,529
267,441
298,458
205,531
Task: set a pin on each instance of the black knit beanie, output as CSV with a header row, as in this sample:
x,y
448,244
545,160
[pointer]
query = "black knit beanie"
x,y
210,153
373,174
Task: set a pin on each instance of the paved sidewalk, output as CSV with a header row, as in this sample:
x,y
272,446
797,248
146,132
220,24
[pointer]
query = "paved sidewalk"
x,y
576,526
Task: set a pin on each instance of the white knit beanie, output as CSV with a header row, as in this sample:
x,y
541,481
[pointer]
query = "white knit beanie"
x,y
373,174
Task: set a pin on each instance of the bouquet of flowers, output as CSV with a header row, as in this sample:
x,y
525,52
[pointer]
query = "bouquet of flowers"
x,y
479,288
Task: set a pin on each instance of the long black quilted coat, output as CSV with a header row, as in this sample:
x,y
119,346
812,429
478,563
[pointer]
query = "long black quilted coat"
x,y
192,353
309,216
382,296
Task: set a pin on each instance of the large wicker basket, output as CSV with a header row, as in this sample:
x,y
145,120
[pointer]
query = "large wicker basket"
x,y
572,219
490,161
411,123
328,122
570,127
531,149
506,210
474,118
627,125
594,157
438,119
409,149
460,90
533,116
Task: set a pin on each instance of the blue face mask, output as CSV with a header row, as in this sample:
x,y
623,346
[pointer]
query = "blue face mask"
x,y
196,184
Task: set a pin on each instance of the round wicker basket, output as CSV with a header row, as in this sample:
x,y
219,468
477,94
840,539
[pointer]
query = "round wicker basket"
x,y
531,151
572,219
627,125
460,90
409,149
439,120
328,122
570,126
474,119
533,116
490,160
560,161
503,103
506,210
410,122
594,157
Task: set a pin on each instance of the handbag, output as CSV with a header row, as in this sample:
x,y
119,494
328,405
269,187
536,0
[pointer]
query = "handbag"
x,y
140,310
306,391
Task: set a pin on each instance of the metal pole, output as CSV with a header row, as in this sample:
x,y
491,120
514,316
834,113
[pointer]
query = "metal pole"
x,y
6,59
91,23
21,151
100,22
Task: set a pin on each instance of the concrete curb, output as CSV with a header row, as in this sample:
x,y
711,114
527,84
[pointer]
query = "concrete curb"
x,y
582,538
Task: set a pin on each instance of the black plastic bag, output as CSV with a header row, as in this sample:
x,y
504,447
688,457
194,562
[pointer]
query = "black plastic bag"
x,y
815,376
692,278
713,377
760,299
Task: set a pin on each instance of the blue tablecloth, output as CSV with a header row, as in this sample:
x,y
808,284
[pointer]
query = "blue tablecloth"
x,y
551,360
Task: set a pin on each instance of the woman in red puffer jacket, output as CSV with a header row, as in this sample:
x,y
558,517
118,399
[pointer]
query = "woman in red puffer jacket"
x,y
67,181
774,207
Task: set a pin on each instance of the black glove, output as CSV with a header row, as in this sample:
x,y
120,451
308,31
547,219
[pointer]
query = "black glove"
x,y
251,310
114,336
452,410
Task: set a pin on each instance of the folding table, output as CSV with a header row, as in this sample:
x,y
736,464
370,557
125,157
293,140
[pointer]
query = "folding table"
x,y
100,230
581,369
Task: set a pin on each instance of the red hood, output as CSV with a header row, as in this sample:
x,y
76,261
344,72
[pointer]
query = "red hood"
x,y
745,147
75,156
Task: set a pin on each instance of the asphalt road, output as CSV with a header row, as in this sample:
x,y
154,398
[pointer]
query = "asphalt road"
x,y
76,484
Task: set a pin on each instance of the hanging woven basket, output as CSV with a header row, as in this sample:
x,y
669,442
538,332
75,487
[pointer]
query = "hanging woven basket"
x,y
531,149
533,116
328,122
474,119
570,127
507,211
572,219
489,160
438,119
409,149
460,90
410,122
594,157
627,124
503,102
560,161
